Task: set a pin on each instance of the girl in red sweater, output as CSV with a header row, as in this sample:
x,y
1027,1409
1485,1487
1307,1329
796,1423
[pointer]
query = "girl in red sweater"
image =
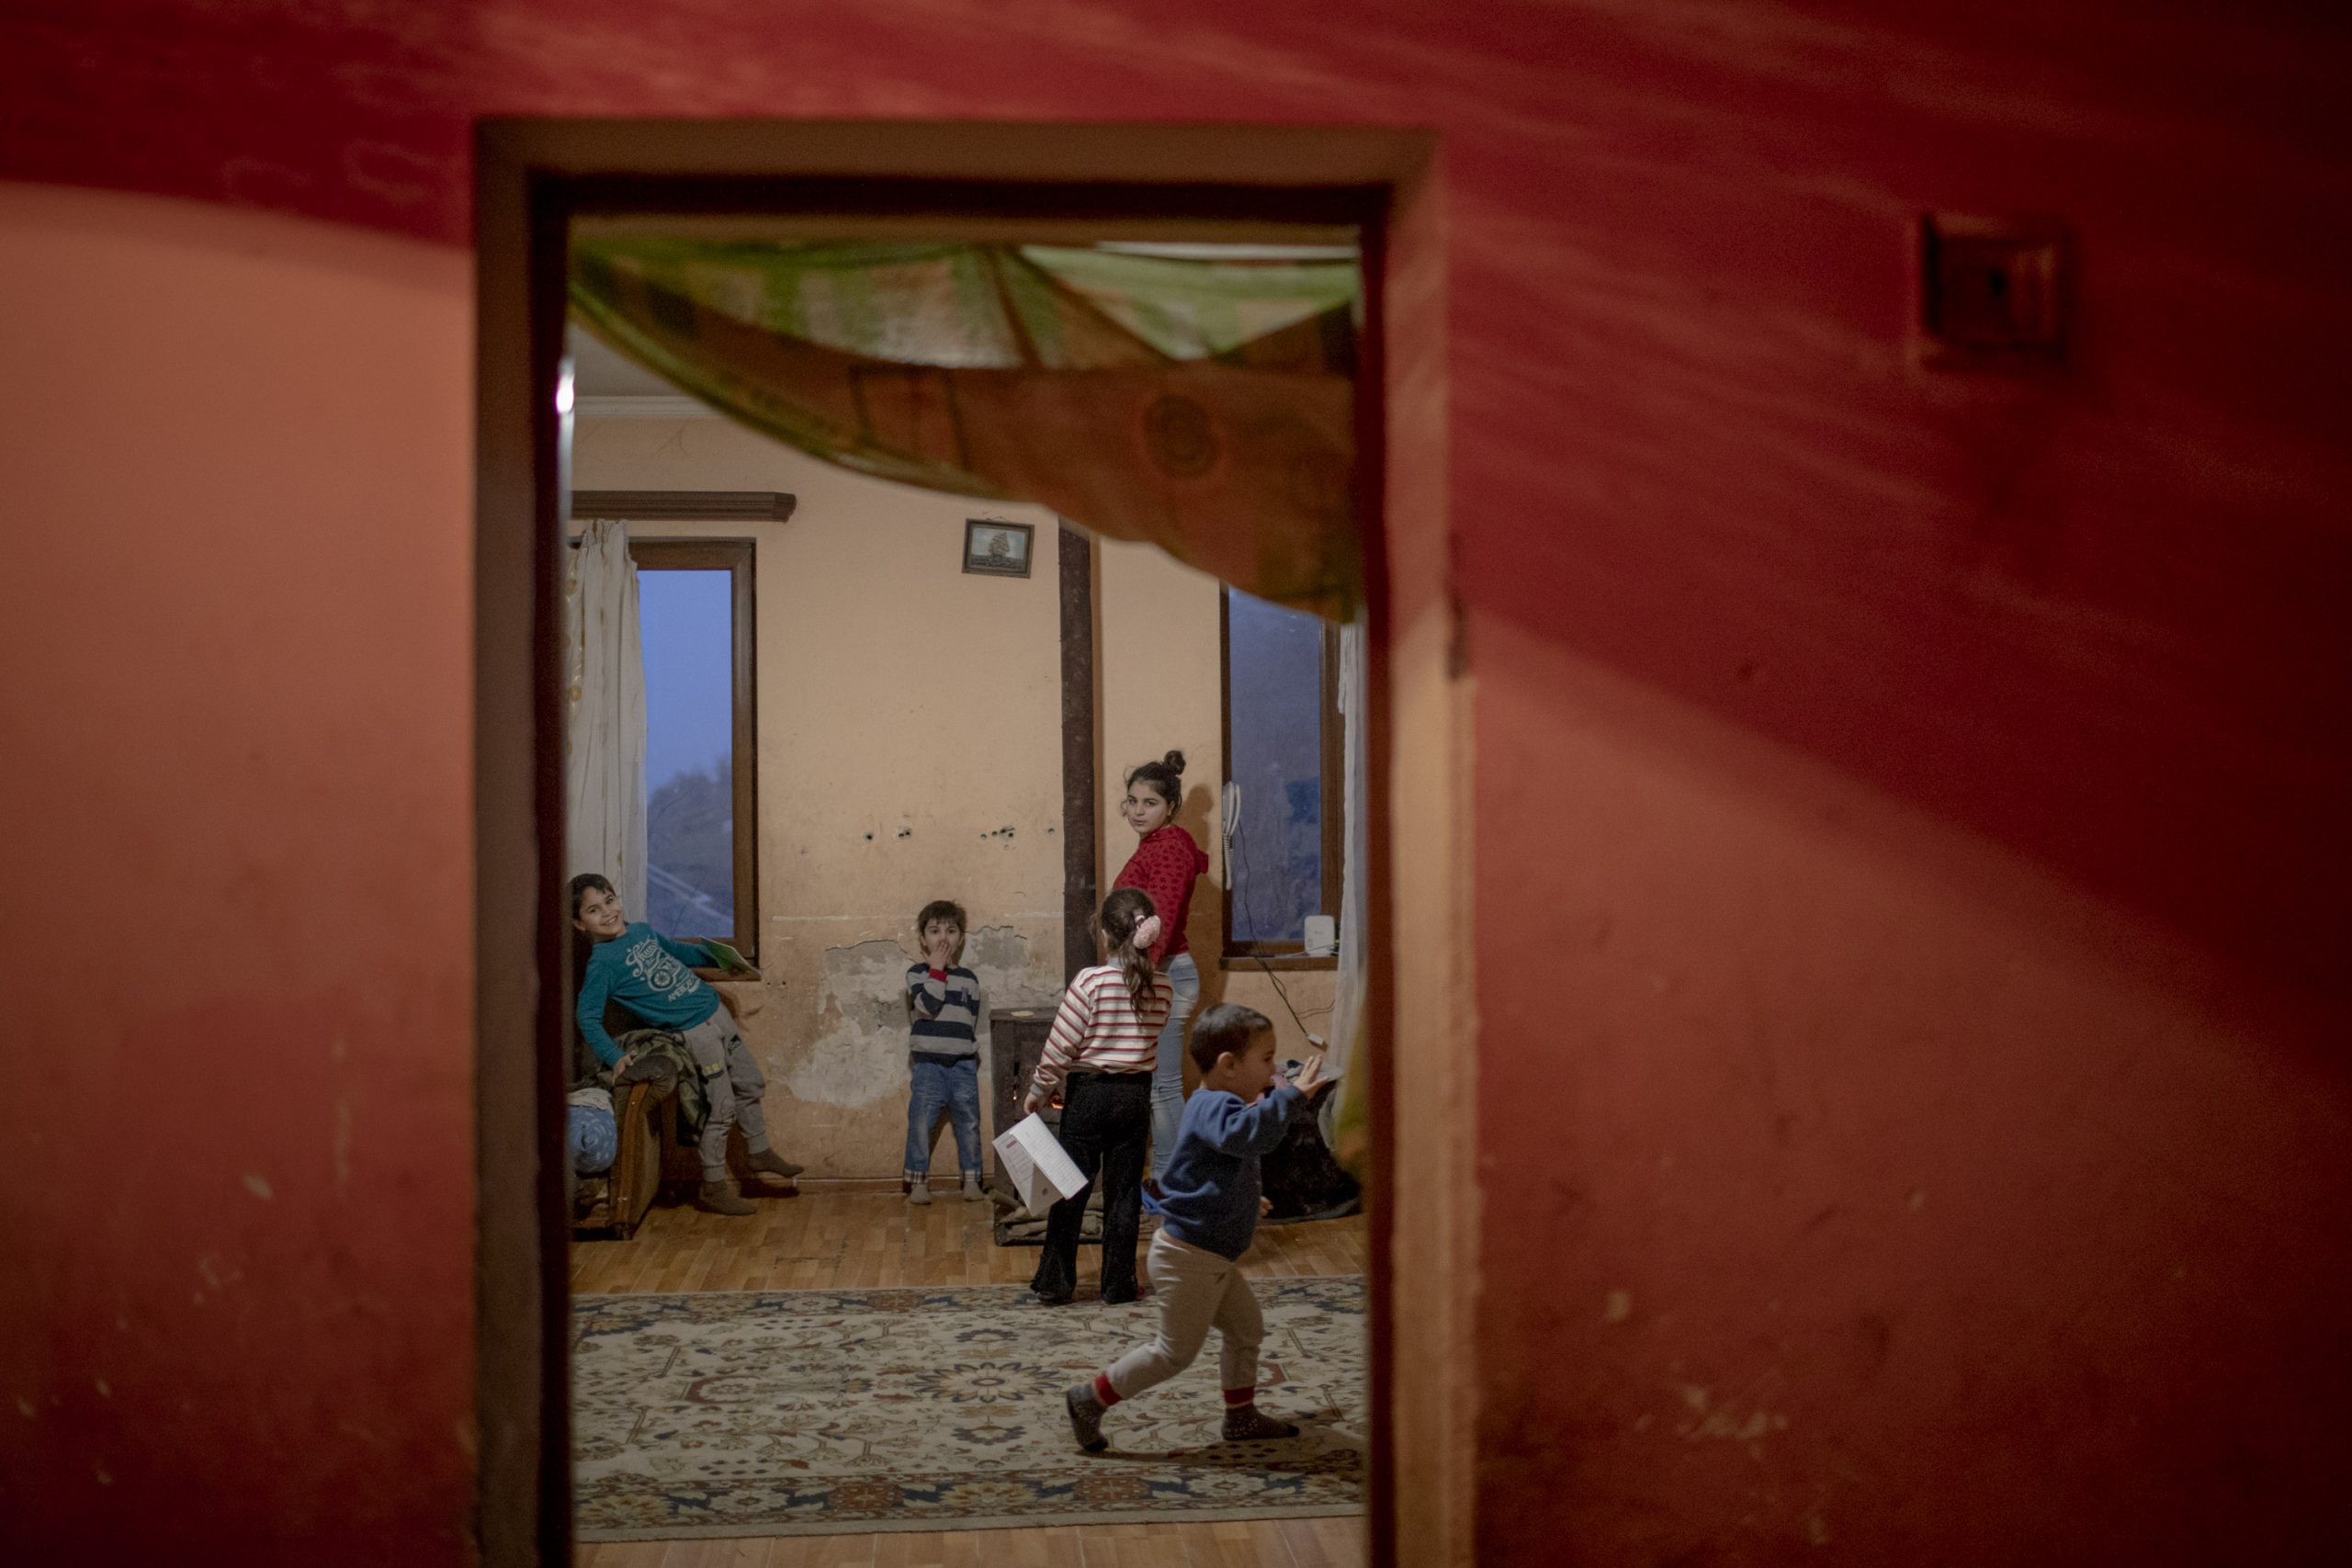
x,y
1165,865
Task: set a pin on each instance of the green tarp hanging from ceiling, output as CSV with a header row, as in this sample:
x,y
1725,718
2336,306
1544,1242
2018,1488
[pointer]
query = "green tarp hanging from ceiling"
x,y
1204,406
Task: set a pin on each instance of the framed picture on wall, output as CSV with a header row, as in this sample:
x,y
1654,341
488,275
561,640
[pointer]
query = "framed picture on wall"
x,y
997,548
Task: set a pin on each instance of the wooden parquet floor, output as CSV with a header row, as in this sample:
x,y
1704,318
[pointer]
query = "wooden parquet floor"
x,y
1270,1544
859,1236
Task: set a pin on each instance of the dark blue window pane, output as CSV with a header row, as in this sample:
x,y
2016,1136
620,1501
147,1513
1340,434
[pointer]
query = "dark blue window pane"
x,y
1274,692
687,625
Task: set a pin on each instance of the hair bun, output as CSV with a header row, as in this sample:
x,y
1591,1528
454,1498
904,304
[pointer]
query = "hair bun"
x,y
1173,761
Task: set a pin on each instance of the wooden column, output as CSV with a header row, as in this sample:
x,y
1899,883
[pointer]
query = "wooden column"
x,y
1077,750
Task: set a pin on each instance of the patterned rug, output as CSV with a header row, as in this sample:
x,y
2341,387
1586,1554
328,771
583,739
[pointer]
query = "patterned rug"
x,y
731,1413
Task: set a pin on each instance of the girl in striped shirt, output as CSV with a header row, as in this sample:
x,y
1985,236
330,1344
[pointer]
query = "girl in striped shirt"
x,y
1100,1053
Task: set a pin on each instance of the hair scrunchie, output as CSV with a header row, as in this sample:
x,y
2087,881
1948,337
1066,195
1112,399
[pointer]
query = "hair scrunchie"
x,y
1147,931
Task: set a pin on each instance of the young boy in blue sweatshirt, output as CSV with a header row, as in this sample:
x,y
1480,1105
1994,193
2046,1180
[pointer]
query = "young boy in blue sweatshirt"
x,y
1209,1192
652,975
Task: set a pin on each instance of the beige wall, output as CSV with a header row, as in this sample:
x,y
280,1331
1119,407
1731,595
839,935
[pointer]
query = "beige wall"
x,y
909,748
1162,688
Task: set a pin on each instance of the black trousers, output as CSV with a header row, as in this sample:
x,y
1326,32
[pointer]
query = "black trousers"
x,y
1106,1122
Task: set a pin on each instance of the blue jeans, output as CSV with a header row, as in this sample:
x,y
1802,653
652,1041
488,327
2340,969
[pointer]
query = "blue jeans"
x,y
956,1087
1168,1073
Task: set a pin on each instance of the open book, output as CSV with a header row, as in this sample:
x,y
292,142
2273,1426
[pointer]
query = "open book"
x,y
728,959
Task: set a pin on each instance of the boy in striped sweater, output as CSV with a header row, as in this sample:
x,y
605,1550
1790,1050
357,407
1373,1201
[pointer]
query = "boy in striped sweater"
x,y
944,1002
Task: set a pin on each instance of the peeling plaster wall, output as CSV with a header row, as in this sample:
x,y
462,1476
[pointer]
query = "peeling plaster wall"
x,y
871,642
909,740
1161,678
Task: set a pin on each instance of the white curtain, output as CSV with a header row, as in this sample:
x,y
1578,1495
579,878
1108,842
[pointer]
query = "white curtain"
x,y
604,757
1347,989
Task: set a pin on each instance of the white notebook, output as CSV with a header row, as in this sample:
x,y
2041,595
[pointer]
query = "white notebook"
x,y
1041,1170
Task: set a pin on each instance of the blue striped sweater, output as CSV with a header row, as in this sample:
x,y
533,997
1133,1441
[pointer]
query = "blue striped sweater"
x,y
947,1008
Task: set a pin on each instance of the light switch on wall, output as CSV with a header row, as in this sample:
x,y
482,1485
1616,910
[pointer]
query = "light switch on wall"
x,y
1993,291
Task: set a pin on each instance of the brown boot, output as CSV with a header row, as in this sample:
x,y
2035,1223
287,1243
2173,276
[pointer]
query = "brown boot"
x,y
770,1163
719,1198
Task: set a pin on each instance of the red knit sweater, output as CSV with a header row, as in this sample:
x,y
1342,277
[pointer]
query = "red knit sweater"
x,y
1164,865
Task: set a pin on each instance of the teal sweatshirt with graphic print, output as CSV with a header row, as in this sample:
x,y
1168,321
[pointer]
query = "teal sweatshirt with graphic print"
x,y
649,975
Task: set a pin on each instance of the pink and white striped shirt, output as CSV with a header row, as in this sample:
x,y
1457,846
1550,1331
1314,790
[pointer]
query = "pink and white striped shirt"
x,y
1100,1029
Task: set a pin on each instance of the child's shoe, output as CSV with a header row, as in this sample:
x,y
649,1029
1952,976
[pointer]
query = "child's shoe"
x,y
919,1191
719,1198
973,1191
771,1163
1086,1417
1247,1424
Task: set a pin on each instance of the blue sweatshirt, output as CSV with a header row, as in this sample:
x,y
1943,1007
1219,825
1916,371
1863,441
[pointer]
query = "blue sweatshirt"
x,y
1209,1187
648,974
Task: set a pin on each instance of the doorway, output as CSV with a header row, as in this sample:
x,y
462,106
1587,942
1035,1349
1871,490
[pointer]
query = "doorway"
x,y
536,180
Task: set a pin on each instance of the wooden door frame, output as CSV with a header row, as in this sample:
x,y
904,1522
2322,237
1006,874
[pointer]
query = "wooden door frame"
x,y
532,178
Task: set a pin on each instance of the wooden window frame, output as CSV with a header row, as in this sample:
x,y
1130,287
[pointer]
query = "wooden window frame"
x,y
738,558
1289,954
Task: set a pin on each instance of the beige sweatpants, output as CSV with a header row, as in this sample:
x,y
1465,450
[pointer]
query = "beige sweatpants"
x,y
1197,1291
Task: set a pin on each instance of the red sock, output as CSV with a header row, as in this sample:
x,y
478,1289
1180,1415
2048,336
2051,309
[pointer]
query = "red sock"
x,y
1104,1394
1240,1398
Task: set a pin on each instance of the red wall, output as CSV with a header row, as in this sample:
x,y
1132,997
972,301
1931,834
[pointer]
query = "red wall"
x,y
238,1230
238,1256
1910,925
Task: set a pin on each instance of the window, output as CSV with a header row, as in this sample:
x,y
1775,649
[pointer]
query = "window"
x,y
1282,772
694,599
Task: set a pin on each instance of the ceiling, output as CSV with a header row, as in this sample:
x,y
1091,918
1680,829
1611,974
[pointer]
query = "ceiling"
x,y
599,372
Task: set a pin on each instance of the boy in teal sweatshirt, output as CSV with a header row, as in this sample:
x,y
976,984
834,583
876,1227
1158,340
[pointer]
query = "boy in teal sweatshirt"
x,y
652,976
